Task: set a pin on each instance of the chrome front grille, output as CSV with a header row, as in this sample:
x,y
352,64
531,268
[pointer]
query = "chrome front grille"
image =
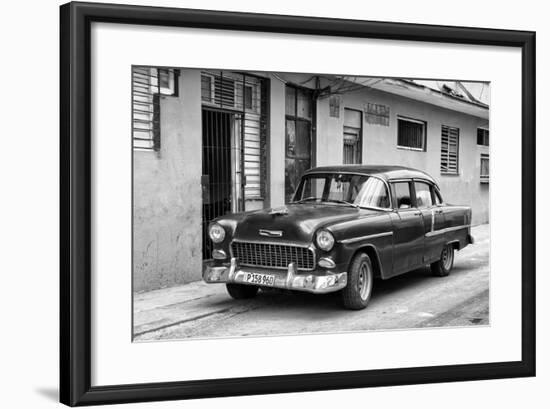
x,y
272,255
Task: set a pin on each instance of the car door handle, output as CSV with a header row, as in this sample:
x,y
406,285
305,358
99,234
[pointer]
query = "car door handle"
x,y
439,211
418,213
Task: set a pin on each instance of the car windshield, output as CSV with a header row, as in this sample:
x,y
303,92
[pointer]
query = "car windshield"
x,y
349,189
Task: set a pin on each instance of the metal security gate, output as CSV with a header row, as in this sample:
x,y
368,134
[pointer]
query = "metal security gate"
x,y
217,160
234,133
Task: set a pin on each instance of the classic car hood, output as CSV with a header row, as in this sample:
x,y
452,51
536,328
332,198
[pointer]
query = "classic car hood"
x,y
294,223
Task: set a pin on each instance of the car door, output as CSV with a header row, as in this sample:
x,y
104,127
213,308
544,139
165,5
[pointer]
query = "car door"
x,y
408,228
433,217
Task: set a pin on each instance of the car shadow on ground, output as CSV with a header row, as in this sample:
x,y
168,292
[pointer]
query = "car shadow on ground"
x,y
283,299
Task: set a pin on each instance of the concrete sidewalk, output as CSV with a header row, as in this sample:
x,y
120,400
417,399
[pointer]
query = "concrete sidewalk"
x,y
413,300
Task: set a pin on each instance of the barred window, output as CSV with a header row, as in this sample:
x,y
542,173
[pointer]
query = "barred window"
x,y
411,134
484,168
352,136
449,150
483,136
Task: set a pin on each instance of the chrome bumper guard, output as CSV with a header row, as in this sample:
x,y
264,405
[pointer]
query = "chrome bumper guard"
x,y
290,279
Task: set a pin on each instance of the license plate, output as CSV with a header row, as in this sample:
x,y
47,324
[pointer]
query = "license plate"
x,y
260,279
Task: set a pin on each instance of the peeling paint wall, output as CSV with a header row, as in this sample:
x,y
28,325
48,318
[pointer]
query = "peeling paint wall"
x,y
167,185
167,195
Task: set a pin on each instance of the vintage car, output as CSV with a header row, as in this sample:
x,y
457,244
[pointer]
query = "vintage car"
x,y
345,226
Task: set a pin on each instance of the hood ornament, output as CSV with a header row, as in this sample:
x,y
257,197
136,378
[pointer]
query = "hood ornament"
x,y
270,233
279,211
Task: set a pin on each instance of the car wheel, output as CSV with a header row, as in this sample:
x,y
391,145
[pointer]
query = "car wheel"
x,y
241,292
444,265
356,294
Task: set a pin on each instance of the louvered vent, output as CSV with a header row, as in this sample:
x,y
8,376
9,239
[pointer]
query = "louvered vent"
x,y
449,150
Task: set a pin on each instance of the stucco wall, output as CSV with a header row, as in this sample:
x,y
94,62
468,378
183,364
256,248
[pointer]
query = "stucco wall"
x,y
167,195
380,145
167,189
276,144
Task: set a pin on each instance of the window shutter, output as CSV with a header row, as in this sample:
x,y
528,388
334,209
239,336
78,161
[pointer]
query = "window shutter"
x,y
145,108
449,150
484,168
224,91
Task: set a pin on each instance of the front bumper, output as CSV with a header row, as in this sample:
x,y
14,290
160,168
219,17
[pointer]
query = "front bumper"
x,y
286,279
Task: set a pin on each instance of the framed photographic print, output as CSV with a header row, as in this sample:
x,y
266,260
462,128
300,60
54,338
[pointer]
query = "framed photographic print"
x,y
259,204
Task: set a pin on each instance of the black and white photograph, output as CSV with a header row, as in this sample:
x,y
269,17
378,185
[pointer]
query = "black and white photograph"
x,y
277,203
280,204
265,204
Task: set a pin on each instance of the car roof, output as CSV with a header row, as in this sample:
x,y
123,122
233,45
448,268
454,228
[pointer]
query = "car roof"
x,y
386,172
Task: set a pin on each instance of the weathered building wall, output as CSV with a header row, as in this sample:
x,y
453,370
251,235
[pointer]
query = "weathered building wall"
x,y
380,145
167,195
167,184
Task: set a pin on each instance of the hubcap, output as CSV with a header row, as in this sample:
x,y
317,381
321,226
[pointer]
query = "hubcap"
x,y
447,257
364,282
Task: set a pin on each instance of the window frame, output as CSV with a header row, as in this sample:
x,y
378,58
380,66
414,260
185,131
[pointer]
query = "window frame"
x,y
484,178
412,194
252,91
447,172
424,136
477,136
359,152
150,88
211,76
296,119
172,90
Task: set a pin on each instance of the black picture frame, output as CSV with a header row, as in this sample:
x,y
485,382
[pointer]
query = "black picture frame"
x,y
76,199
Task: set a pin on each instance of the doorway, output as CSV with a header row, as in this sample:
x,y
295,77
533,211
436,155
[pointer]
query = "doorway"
x,y
220,169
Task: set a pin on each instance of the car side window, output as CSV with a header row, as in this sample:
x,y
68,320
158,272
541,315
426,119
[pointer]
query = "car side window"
x,y
402,195
373,193
423,195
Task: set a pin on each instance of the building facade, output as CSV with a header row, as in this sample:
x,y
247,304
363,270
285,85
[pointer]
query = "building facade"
x,y
210,142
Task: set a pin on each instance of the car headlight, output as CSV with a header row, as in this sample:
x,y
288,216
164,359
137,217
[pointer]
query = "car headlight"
x,y
325,240
216,233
